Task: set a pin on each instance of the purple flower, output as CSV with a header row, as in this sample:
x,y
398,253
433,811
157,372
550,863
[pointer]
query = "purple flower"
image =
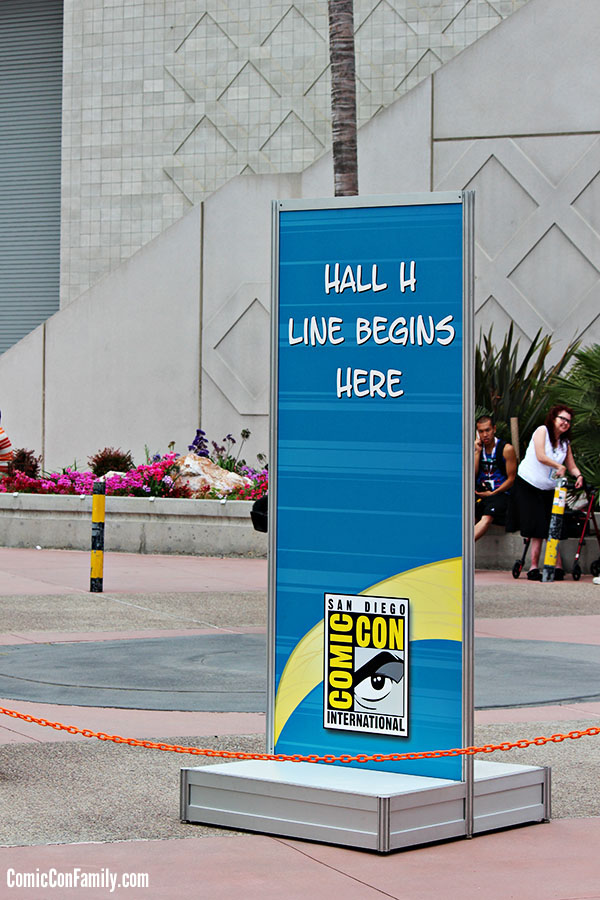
x,y
199,445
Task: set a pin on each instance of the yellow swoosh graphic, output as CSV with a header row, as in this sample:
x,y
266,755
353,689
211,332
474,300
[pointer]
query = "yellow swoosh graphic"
x,y
435,594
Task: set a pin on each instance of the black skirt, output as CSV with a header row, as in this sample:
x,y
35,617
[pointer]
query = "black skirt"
x,y
529,510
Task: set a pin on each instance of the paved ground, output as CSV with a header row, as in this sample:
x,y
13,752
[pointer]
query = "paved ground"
x,y
68,801
223,672
209,672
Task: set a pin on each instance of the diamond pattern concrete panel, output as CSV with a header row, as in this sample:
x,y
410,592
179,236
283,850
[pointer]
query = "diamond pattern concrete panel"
x,y
554,276
588,204
143,81
250,330
504,206
542,265
234,342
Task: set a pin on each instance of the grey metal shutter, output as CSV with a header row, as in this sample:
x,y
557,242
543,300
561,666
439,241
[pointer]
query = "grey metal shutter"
x,y
31,34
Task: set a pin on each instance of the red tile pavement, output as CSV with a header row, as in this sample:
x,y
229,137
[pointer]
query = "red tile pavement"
x,y
551,861
142,723
27,571
71,637
551,713
24,571
134,723
571,629
491,576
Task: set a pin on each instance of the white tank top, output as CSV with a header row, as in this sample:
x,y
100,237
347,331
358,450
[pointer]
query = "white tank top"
x,y
535,472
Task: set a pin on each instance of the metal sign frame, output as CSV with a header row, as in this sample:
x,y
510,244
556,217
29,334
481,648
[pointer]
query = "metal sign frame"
x,y
363,807
466,199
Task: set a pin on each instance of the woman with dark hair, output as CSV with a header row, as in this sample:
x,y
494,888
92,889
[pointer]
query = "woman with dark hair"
x,y
548,457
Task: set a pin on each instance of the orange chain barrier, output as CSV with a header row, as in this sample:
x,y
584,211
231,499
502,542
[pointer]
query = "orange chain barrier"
x,y
281,757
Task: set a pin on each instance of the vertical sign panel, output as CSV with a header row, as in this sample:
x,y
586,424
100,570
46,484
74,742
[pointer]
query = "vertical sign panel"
x,y
367,480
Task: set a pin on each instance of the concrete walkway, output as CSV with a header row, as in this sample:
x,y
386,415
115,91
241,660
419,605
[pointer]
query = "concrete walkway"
x,y
68,802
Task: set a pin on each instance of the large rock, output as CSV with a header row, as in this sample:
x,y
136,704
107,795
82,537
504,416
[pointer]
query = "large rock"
x,y
199,472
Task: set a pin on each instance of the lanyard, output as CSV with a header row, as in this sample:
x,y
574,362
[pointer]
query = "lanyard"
x,y
489,459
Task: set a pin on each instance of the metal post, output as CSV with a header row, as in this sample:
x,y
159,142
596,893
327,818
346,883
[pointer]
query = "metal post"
x,y
468,509
555,530
98,507
514,436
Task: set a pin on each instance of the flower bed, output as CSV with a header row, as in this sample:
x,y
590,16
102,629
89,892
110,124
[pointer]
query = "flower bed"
x,y
194,504
159,478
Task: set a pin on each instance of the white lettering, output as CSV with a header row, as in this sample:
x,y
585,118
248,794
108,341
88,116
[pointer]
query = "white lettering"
x,y
393,378
368,383
317,336
379,328
360,378
291,339
423,334
359,285
399,331
363,331
377,287
347,387
335,284
334,327
348,280
75,878
408,282
417,330
376,382
444,325
352,281
316,331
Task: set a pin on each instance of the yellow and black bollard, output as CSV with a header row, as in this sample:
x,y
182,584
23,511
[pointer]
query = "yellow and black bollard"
x,y
555,530
98,504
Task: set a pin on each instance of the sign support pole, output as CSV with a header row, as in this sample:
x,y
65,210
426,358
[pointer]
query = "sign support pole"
x,y
468,494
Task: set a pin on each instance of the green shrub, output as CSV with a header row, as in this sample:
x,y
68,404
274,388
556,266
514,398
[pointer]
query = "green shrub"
x,y
580,389
508,387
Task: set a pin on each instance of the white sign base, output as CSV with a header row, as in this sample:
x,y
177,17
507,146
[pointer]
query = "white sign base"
x,y
355,807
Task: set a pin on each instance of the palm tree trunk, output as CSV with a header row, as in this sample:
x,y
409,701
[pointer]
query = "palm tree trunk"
x,y
343,97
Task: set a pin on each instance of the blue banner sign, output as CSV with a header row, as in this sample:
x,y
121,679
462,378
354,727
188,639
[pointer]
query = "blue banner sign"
x,y
367,511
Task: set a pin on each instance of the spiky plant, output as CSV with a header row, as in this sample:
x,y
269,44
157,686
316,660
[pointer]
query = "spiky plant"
x,y
509,386
580,389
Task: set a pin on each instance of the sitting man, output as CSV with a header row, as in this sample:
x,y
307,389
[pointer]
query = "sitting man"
x,y
495,471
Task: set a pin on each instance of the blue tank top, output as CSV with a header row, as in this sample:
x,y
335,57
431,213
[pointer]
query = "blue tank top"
x,y
492,467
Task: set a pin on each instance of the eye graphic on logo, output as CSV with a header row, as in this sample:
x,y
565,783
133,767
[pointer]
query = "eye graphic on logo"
x,y
375,682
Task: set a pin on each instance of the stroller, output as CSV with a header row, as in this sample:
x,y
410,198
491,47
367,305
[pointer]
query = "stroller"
x,y
576,524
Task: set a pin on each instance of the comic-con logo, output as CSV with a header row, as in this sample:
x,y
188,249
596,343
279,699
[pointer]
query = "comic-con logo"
x,y
366,664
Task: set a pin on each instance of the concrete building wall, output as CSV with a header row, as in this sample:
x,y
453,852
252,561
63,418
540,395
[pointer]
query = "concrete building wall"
x,y
236,307
535,171
120,367
517,118
133,341
22,391
166,101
